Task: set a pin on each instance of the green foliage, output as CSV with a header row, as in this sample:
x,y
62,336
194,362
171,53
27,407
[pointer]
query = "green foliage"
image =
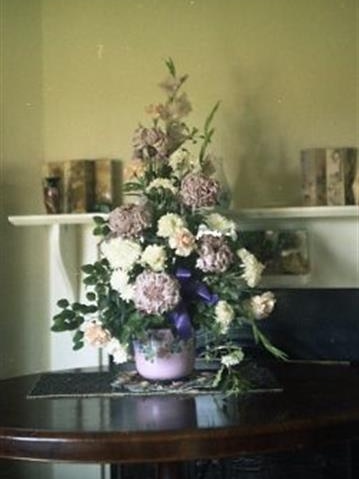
x,y
62,303
260,338
208,132
171,66
78,340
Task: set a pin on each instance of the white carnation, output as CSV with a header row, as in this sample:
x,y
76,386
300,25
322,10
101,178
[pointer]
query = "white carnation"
x,y
204,230
221,224
168,224
155,257
121,253
164,183
117,350
180,162
262,304
252,267
224,315
120,282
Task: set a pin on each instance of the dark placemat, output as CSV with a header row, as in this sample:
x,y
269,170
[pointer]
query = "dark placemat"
x,y
124,383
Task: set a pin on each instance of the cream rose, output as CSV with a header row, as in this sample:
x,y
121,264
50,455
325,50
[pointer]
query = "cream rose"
x,y
95,335
262,305
183,242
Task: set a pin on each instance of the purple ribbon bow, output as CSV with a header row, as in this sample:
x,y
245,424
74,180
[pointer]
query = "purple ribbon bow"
x,y
182,321
190,289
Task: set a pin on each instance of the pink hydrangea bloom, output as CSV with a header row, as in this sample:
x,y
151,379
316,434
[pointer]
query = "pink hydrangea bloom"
x,y
129,221
215,255
156,293
198,190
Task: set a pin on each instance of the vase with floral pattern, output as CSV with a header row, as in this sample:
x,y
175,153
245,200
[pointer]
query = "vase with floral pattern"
x,y
161,356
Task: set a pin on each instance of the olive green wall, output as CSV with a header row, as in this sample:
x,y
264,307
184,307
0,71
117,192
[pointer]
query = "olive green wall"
x,y
77,74
23,270
284,70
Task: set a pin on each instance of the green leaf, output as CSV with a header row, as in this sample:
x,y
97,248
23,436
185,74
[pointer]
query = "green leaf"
x,y
99,220
87,268
259,337
63,303
171,66
76,306
78,336
90,296
71,326
211,116
132,186
58,327
67,314
77,345
91,309
101,230
90,280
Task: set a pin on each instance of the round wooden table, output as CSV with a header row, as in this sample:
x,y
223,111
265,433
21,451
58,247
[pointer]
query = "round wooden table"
x,y
319,403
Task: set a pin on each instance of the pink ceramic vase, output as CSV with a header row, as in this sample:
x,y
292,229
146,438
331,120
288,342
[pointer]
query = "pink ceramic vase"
x,y
161,356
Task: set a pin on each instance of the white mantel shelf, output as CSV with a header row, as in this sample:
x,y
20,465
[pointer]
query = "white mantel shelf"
x,y
49,220
349,211
250,214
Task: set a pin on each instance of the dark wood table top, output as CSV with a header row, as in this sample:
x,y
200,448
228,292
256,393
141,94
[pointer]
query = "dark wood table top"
x,y
319,403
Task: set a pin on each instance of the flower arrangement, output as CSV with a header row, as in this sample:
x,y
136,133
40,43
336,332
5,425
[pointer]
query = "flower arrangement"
x,y
171,259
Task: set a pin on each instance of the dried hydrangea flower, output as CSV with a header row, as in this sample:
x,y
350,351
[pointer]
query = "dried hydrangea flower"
x,y
156,293
215,255
150,142
198,190
129,221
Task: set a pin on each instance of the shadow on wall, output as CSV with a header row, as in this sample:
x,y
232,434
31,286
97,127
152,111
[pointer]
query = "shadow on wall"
x,y
265,173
